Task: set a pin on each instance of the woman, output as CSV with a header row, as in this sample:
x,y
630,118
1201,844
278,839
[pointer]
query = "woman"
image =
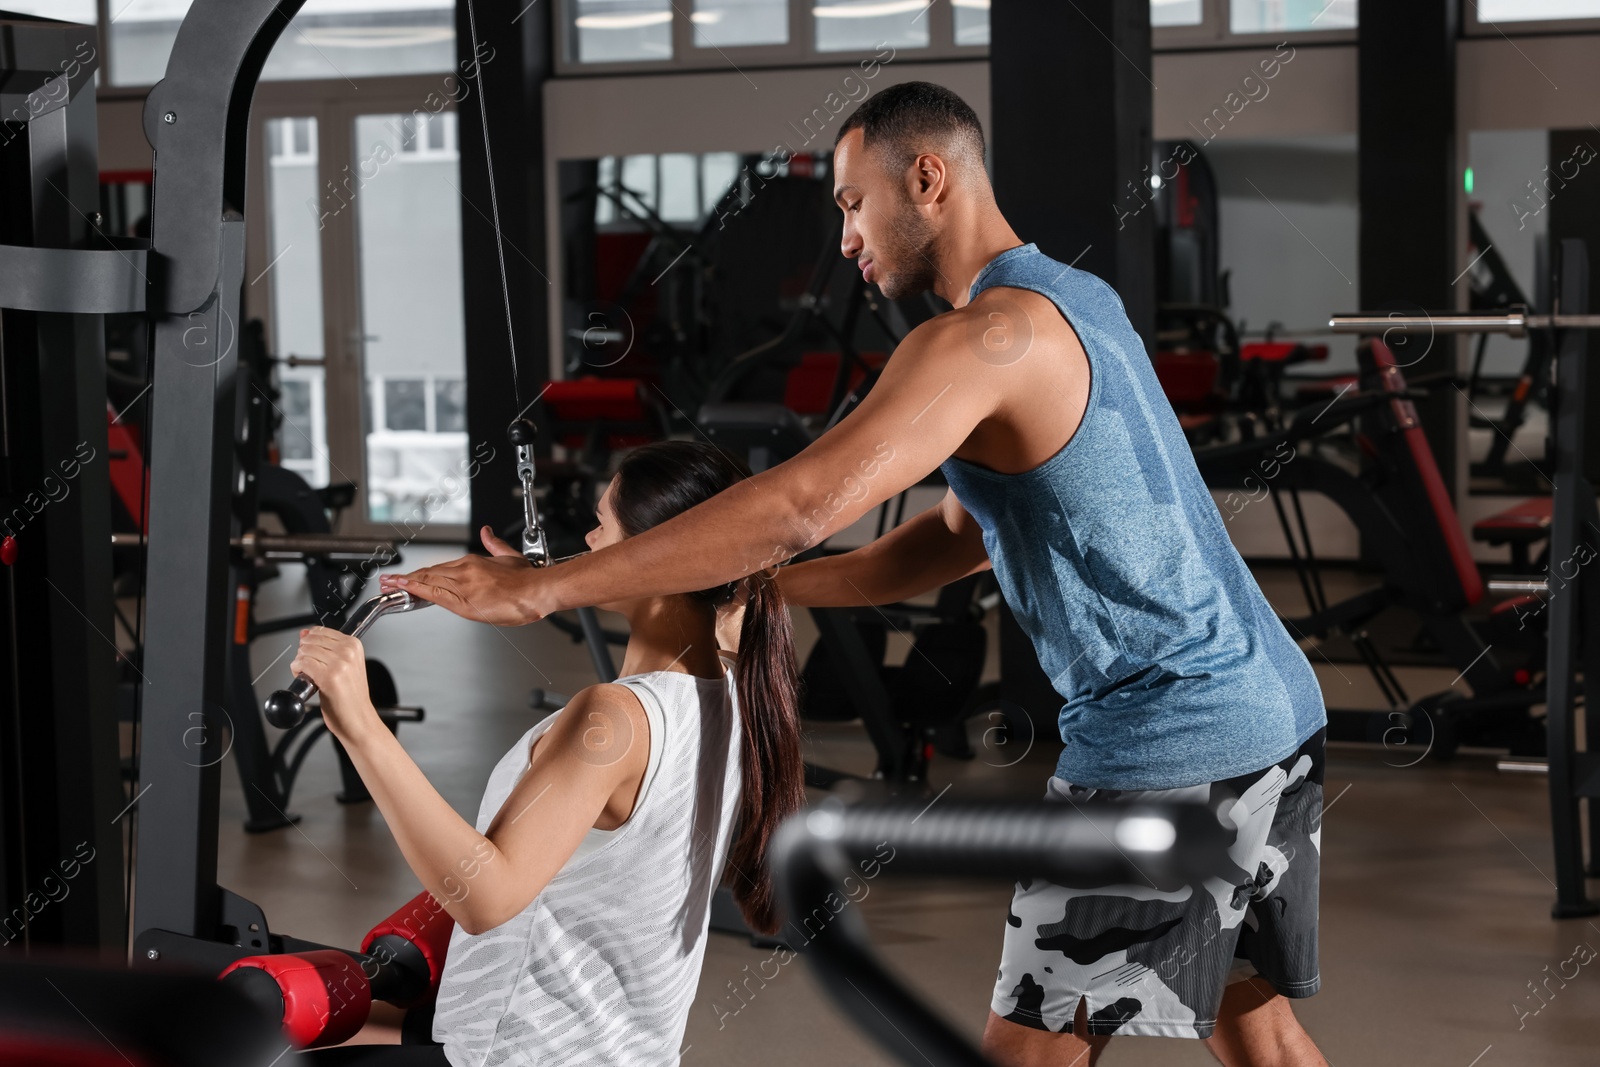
x,y
583,894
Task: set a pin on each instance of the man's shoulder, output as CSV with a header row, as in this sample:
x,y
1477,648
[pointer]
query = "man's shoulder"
x,y
996,321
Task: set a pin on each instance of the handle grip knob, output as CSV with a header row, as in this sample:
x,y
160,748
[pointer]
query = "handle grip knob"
x,y
522,433
286,708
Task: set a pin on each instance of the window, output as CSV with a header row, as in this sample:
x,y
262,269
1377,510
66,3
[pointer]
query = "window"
x,y
866,25
726,23
638,182
296,404
405,404
1290,16
1175,13
294,280
1536,10
424,136
352,39
605,209
610,31
713,34
972,17
717,172
971,21
82,11
683,188
450,406
345,39
680,188
292,141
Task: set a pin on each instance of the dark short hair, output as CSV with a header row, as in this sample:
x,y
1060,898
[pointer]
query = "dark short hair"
x,y
908,119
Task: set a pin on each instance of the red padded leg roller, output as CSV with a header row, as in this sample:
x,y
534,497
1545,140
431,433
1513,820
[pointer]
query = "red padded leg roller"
x,y
324,997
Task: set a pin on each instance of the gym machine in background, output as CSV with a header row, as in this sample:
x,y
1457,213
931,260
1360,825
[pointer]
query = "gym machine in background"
x,y
60,790
1570,590
58,276
337,567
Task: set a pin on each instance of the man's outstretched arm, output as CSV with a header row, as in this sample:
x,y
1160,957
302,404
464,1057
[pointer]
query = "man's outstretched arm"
x,y
931,396
925,552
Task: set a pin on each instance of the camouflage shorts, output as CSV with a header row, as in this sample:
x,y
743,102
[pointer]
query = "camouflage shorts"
x,y
1154,964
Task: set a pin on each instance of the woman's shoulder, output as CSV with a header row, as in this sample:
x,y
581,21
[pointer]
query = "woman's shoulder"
x,y
608,697
602,715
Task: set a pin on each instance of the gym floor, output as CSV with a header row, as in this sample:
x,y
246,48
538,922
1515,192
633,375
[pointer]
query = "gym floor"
x,y
1435,894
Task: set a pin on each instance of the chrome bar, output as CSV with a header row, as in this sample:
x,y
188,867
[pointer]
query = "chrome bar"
x,y
287,707
1519,586
1515,323
254,544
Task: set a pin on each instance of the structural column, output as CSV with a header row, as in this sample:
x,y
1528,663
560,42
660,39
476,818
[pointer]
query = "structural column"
x,y
1071,110
513,59
1407,179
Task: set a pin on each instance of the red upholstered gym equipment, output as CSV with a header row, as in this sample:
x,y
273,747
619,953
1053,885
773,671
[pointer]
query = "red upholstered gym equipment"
x,y
35,1050
1459,562
71,1009
588,399
808,388
126,468
322,996
1189,380
598,415
421,924
1282,352
1521,526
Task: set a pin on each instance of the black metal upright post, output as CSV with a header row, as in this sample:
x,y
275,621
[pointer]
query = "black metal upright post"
x,y
1570,193
61,857
1407,177
1574,598
512,64
197,120
1071,111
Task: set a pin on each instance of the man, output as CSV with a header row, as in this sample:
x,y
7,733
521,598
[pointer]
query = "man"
x,y
1069,475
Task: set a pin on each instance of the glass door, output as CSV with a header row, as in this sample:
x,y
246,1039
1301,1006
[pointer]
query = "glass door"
x,y
292,278
355,264
407,259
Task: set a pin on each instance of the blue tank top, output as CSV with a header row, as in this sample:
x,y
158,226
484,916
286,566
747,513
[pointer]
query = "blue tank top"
x,y
1117,564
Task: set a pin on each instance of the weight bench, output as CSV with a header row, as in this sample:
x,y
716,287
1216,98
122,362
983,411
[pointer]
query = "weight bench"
x,y
594,417
1383,475
1522,526
1189,380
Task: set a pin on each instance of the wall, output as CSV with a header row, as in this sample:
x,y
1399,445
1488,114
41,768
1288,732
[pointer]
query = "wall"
x,y
1304,125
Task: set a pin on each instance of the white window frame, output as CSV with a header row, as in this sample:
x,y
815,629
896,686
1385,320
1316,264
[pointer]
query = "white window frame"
x,y
422,152
1212,33
799,51
1473,26
314,470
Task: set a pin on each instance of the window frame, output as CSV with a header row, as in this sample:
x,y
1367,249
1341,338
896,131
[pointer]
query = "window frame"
x,y
1214,33
1473,26
800,51
106,91
1211,34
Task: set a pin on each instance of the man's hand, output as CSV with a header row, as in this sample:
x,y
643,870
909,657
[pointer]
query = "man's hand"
x,y
502,589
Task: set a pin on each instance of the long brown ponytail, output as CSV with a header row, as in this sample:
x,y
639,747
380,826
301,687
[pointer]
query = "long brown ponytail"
x,y
655,483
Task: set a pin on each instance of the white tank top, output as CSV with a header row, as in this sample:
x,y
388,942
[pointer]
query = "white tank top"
x,y
603,965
